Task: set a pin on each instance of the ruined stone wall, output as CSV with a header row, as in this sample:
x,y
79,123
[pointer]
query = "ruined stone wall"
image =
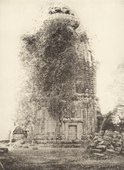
x,y
110,142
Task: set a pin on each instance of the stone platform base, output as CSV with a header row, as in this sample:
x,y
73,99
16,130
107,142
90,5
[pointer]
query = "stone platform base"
x,y
62,143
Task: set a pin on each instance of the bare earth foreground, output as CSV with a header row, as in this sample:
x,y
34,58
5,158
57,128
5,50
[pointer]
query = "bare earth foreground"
x,y
60,159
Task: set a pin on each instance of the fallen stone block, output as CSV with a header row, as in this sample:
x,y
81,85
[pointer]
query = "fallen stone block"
x,y
92,145
108,133
115,134
119,143
110,150
95,150
113,143
102,142
107,143
107,138
99,139
99,154
96,134
110,147
118,149
101,147
95,138
96,142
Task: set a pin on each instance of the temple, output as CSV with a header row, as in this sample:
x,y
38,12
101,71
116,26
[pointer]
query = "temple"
x,y
82,120
79,115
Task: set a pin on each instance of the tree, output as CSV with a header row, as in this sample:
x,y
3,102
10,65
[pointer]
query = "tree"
x,y
108,122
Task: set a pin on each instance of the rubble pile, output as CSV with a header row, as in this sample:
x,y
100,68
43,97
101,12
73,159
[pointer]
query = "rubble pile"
x,y
108,142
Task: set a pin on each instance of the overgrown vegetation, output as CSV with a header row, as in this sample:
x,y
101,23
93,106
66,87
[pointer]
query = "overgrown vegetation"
x,y
109,124
51,62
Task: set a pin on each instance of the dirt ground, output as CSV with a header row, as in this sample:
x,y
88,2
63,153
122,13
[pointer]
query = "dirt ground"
x,y
60,159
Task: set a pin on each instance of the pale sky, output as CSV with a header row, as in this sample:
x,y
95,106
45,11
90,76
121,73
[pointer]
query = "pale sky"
x,y
104,22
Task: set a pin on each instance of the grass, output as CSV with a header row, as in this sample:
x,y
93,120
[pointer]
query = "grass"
x,y
61,159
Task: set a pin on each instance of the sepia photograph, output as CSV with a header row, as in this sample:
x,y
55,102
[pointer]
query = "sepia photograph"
x,y
61,85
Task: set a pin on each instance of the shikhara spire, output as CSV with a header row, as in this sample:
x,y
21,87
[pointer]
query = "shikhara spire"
x,y
60,93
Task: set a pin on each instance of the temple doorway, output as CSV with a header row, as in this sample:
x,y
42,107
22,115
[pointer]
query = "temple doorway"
x,y
72,133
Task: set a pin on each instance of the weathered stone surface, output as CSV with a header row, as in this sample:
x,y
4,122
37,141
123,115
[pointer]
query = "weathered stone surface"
x,y
96,150
118,149
102,142
96,134
99,154
99,139
111,150
101,147
107,138
108,133
111,147
110,143
96,142
107,143
95,138
92,145
114,140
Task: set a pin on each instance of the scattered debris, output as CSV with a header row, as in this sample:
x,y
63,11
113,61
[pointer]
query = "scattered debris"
x,y
110,142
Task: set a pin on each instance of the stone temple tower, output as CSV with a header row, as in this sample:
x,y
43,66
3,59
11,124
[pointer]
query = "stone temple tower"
x,y
81,120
